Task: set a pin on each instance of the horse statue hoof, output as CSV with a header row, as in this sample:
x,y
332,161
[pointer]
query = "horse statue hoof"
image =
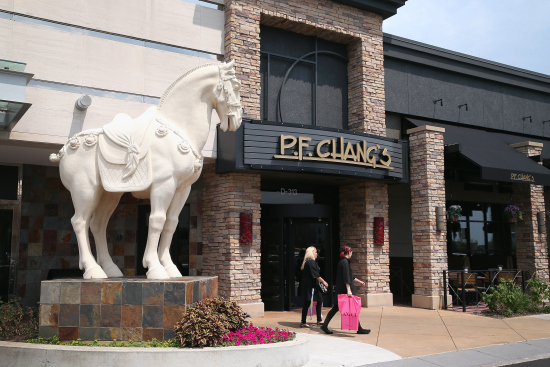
x,y
173,271
95,272
157,272
112,270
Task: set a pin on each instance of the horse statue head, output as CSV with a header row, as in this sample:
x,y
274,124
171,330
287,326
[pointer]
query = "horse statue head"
x,y
228,105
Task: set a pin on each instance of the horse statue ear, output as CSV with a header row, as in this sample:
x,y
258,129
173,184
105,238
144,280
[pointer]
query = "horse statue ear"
x,y
229,65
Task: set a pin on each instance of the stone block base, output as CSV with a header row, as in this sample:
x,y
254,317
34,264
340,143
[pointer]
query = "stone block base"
x,y
376,299
118,308
430,302
255,310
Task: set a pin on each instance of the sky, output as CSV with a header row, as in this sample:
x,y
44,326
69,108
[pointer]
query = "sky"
x,y
511,32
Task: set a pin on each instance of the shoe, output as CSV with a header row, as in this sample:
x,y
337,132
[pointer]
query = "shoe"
x,y
305,325
363,331
326,330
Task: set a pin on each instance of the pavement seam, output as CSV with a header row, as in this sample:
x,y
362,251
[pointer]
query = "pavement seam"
x,y
515,331
380,326
446,328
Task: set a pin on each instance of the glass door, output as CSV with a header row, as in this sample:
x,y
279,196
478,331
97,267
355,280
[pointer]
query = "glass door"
x,y
287,231
303,233
6,226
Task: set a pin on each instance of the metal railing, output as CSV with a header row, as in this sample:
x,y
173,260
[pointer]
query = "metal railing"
x,y
461,282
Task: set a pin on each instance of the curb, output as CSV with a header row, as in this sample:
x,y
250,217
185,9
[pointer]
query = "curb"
x,y
293,353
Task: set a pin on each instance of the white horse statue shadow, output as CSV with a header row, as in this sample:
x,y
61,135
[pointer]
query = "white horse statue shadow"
x,y
155,156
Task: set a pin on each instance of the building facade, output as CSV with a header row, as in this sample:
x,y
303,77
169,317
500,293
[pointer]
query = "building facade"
x,y
350,137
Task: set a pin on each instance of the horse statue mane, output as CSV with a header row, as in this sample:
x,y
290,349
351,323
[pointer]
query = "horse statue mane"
x,y
156,155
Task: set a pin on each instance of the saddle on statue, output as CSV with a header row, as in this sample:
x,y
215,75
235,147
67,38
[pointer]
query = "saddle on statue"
x,y
123,155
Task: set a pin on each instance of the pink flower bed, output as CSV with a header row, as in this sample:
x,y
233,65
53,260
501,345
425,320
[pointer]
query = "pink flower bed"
x,y
252,335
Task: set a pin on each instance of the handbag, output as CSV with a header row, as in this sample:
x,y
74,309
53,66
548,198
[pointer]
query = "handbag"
x,y
322,287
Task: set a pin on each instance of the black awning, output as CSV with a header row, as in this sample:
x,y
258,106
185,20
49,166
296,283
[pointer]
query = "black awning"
x,y
492,153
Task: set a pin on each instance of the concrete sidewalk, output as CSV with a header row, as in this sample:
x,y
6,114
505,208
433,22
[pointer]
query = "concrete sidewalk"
x,y
404,332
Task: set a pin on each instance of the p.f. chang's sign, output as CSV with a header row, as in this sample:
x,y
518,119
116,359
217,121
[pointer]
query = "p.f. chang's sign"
x,y
334,151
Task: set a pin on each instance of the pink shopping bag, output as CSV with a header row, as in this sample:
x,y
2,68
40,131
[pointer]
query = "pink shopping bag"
x,y
349,307
313,310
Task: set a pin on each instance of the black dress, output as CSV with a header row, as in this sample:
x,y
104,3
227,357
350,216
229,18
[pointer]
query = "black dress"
x,y
309,282
344,275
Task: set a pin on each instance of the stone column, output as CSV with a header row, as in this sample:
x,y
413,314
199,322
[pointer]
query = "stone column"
x,y
236,265
531,250
428,192
359,204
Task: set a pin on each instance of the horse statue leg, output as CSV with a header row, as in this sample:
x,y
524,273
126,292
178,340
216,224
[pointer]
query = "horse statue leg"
x,y
100,218
161,197
85,199
172,219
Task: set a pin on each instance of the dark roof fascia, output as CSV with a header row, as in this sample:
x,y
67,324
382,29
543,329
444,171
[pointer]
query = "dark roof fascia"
x,y
386,8
421,53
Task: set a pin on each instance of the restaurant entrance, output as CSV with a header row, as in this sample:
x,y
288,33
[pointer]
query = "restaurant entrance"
x,y
287,231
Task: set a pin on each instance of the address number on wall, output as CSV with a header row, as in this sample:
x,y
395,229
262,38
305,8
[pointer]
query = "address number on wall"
x,y
289,191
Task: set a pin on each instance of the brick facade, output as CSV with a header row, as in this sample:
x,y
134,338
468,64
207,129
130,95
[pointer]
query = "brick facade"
x,y
236,265
428,192
359,205
360,30
531,249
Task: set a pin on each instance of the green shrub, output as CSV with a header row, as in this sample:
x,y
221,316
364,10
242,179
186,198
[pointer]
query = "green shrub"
x,y
208,321
539,292
14,321
506,299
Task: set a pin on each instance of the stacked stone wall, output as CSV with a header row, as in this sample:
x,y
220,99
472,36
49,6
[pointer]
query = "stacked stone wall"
x,y
360,30
531,249
359,205
427,167
236,265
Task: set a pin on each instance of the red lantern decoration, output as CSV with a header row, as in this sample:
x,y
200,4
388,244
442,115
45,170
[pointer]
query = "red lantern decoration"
x,y
246,228
378,230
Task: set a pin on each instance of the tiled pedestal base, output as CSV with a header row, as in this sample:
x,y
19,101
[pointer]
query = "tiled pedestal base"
x,y
118,308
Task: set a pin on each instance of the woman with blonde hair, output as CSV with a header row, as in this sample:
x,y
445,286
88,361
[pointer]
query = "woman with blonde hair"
x,y
310,286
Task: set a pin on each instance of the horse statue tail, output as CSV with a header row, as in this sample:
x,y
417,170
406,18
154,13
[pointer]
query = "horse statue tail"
x,y
56,157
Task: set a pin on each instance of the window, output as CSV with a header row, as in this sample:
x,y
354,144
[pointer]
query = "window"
x,y
481,230
303,79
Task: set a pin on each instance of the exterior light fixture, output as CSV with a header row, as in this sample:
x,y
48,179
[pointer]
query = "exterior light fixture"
x,y
245,226
439,100
378,230
83,102
540,221
440,218
463,105
527,117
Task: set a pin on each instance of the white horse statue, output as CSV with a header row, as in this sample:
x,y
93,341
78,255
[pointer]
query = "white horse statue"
x,y
155,156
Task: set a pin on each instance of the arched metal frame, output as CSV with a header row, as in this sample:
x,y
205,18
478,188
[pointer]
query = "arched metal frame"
x,y
302,58
268,102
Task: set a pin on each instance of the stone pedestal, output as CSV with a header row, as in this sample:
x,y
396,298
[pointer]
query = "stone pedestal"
x,y
118,308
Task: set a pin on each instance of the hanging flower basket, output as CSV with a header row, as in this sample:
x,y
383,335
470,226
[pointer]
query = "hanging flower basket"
x,y
453,212
512,214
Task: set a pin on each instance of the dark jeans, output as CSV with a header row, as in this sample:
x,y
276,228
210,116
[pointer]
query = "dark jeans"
x,y
318,309
331,314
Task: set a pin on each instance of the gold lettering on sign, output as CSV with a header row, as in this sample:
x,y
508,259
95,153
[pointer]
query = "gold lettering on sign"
x,y
289,145
522,177
334,151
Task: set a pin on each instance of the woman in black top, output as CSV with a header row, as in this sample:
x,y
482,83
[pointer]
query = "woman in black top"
x,y
344,285
310,275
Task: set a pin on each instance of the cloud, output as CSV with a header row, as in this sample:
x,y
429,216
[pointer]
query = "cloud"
x,y
511,32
